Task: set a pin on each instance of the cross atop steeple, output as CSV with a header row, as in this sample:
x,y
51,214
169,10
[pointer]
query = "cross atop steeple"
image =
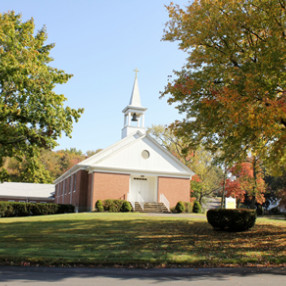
x,y
136,72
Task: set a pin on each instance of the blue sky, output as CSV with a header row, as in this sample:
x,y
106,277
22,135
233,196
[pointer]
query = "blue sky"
x,y
101,43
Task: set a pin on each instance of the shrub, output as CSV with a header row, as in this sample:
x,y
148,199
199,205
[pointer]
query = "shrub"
x,y
180,207
274,211
20,209
64,208
99,206
111,205
126,207
231,219
173,210
188,207
9,209
197,208
117,206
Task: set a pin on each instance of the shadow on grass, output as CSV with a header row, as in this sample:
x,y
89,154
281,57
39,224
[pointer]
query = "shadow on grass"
x,y
137,242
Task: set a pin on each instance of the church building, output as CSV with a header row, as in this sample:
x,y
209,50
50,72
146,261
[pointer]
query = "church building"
x,y
136,169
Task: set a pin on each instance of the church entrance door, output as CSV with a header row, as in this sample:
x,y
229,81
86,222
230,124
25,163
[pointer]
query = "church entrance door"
x,y
143,189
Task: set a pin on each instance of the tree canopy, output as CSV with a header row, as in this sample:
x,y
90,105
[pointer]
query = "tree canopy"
x,y
232,87
32,115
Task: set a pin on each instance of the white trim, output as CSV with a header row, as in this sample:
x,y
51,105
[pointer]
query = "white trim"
x,y
136,172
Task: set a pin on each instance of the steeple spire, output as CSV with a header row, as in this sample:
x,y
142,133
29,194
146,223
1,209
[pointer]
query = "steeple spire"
x,y
134,112
135,95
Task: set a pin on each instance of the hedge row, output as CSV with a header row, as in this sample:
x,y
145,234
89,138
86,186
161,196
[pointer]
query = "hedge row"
x,y
231,219
187,207
113,206
12,209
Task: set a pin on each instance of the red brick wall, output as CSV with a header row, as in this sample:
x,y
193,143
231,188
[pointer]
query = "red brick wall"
x,y
76,196
174,189
109,186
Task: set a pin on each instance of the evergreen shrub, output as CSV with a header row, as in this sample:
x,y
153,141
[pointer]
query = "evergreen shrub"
x,y
180,207
197,208
188,207
99,206
231,219
12,209
116,206
126,207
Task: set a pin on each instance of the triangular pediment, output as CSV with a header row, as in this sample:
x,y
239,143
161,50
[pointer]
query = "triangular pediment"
x,y
137,153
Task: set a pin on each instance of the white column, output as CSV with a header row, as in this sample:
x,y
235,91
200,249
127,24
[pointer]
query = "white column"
x,y
142,123
129,118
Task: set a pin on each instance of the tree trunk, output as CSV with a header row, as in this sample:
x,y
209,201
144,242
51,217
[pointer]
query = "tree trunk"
x,y
222,204
254,191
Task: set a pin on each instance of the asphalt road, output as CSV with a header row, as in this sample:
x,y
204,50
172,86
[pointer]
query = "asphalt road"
x,y
12,276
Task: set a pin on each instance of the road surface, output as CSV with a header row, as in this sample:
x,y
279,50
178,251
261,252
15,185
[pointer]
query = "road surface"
x,y
41,276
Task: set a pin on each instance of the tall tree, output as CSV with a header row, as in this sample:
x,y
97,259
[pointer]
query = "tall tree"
x,y
233,86
32,115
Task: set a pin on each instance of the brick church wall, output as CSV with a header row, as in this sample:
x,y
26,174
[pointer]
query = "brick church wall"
x,y
74,190
109,186
174,189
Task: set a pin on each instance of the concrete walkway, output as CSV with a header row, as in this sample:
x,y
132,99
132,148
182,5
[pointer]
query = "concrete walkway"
x,y
12,276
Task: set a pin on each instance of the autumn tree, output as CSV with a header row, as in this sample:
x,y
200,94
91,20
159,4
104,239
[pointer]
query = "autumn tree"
x,y
43,167
247,184
232,87
32,115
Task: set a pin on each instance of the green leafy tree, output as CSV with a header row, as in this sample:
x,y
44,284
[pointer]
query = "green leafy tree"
x,y
232,86
32,115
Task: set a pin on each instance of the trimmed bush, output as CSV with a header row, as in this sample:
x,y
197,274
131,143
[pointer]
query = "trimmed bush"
x,y
99,206
180,207
12,209
126,207
197,208
274,211
112,205
231,219
116,206
188,207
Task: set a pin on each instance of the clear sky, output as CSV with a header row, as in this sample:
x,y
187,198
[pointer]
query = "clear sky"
x,y
101,43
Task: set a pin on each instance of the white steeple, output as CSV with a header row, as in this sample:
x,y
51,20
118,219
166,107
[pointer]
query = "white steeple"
x,y
134,112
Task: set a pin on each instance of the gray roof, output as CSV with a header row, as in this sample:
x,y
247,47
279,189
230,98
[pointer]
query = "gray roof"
x,y
27,190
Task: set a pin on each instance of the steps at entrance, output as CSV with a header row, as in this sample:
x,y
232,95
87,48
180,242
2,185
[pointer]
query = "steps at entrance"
x,y
151,208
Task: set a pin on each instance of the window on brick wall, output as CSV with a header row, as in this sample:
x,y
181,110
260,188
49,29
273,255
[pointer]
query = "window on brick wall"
x,y
64,186
71,184
74,183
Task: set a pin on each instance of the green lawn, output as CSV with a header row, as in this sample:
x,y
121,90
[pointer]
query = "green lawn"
x,y
126,239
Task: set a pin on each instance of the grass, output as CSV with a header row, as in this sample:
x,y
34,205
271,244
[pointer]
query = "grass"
x,y
137,240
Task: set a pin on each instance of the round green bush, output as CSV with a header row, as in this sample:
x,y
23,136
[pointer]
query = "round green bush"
x,y
231,219
197,208
180,207
126,207
99,206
